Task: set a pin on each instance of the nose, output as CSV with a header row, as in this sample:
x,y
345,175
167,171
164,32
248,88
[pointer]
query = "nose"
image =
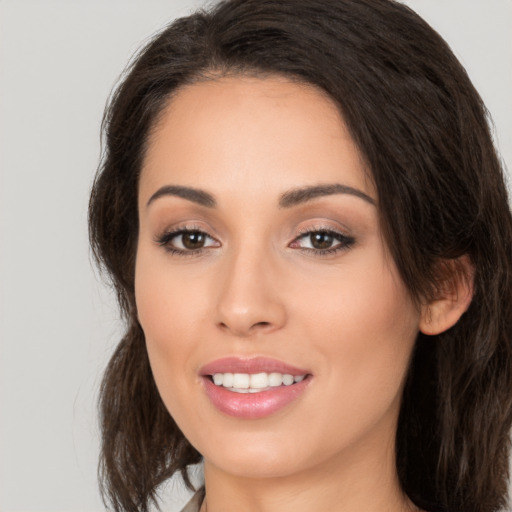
x,y
250,298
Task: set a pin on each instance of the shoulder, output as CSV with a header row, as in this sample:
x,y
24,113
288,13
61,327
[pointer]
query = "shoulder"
x,y
195,502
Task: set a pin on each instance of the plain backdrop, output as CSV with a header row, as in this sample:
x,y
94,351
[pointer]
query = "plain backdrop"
x,y
58,322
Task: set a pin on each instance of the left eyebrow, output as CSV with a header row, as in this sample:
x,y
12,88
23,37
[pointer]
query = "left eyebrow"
x,y
304,194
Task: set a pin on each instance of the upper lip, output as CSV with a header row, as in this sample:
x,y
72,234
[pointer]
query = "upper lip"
x,y
250,365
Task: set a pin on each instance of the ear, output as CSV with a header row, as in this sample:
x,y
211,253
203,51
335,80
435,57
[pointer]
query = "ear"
x,y
453,298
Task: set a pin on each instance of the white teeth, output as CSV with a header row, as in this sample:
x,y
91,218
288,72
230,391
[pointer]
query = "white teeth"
x,y
275,379
254,382
287,379
259,380
227,380
241,380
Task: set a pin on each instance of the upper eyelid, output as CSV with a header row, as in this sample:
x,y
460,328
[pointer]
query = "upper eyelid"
x,y
326,229
187,229
183,228
322,228
344,241
164,236
341,237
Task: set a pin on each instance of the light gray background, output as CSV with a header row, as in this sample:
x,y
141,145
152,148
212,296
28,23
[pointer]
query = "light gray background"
x,y
58,324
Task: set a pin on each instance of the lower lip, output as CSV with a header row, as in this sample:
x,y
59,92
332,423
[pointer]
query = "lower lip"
x,y
253,405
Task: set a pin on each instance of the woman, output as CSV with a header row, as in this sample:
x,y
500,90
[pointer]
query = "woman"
x,y
306,222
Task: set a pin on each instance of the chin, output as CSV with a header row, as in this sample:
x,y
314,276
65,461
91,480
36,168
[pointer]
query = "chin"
x,y
260,455
254,466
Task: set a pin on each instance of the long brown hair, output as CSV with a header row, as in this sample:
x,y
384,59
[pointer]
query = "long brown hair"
x,y
423,131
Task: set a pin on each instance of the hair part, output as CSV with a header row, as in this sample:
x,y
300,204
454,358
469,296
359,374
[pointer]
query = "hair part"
x,y
423,132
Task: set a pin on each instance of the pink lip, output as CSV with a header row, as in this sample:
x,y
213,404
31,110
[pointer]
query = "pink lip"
x,y
252,405
252,365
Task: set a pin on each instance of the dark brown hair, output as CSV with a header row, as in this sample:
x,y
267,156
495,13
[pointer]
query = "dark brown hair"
x,y
423,131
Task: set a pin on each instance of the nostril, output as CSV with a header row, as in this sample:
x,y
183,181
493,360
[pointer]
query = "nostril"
x,y
244,331
261,326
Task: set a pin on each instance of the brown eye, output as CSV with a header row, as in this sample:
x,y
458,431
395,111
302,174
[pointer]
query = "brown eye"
x,y
193,240
321,240
185,241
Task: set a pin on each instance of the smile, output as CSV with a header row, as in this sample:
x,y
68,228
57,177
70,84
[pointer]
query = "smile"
x,y
255,382
253,388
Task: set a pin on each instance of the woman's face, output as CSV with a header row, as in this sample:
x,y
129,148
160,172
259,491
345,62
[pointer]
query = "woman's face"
x,y
260,255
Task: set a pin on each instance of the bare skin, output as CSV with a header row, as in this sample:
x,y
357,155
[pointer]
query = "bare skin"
x,y
310,282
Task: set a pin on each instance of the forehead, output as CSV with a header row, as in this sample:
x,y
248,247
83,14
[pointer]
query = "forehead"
x,y
245,133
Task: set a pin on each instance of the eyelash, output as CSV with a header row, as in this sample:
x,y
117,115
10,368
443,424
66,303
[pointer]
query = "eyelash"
x,y
165,239
345,242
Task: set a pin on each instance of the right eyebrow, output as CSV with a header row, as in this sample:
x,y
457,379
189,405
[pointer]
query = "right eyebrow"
x,y
195,195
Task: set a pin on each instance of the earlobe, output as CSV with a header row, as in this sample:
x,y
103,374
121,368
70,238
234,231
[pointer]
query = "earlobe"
x,y
452,301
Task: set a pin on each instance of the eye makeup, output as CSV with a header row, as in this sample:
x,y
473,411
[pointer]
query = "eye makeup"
x,y
186,241
194,240
322,240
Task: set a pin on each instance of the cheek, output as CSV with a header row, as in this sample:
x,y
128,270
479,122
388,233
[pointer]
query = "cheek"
x,y
364,326
168,304
168,311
